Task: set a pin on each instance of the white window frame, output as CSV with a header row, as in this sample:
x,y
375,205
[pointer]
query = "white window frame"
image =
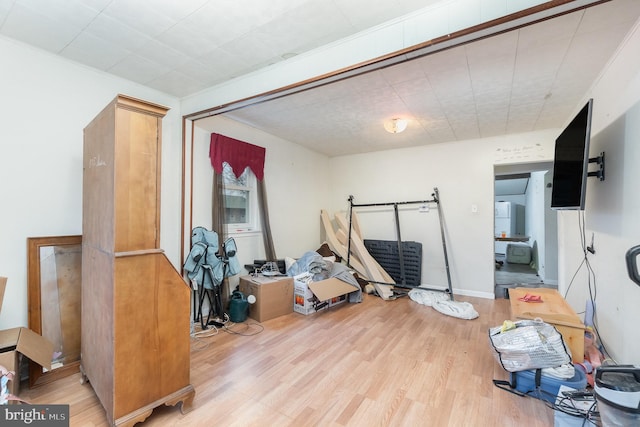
x,y
252,224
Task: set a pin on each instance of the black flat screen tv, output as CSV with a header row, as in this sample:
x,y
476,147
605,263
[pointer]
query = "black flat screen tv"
x,y
571,162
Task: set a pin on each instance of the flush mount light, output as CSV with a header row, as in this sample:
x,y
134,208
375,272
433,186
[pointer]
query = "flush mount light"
x,y
396,125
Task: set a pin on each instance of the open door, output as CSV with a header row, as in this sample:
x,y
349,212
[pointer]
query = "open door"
x,y
525,228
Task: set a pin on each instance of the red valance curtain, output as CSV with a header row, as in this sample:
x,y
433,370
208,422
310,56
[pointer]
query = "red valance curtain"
x,y
238,154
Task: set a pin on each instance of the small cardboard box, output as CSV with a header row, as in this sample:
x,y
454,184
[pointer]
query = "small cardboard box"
x,y
21,341
273,296
312,297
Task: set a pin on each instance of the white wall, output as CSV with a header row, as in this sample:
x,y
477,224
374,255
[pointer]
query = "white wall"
x,y
301,182
46,103
613,208
51,100
297,188
463,172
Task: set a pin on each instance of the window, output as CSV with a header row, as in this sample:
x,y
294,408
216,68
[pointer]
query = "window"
x,y
240,200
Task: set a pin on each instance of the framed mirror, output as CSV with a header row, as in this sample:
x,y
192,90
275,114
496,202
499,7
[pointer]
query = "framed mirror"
x,y
54,285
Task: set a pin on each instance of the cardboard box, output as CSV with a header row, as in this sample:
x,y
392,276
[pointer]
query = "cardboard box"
x,y
19,341
311,297
273,296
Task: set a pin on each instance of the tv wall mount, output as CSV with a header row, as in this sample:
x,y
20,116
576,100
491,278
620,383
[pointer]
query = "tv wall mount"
x,y
600,162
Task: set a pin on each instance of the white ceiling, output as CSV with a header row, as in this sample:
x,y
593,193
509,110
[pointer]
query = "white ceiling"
x,y
530,79
183,46
511,187
524,80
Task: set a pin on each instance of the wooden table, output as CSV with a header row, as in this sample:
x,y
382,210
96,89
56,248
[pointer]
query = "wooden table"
x,y
554,310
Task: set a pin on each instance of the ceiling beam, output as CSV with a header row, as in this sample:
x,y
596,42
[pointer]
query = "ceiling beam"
x,y
520,19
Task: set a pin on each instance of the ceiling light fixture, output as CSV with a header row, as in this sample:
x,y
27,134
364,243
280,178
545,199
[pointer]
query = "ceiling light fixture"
x,y
395,125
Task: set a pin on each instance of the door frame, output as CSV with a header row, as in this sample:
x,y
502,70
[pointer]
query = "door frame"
x,y
550,218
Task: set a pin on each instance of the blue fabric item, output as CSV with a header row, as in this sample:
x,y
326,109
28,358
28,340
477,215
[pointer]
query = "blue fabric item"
x,y
341,272
194,259
233,265
312,262
203,266
201,234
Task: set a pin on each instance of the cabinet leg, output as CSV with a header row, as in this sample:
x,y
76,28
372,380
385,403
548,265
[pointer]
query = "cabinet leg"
x,y
186,399
184,395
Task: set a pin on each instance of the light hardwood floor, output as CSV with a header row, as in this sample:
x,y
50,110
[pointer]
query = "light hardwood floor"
x,y
378,363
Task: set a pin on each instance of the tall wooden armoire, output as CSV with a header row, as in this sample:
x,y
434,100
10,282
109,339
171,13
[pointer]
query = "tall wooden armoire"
x,y
135,305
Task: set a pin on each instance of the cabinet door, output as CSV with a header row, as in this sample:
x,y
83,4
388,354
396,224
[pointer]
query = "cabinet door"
x,y
151,338
98,182
137,173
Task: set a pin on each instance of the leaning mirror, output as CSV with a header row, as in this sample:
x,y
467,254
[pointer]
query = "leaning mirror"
x,y
54,277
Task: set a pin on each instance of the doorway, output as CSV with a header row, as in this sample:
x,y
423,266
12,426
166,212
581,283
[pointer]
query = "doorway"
x,y
525,228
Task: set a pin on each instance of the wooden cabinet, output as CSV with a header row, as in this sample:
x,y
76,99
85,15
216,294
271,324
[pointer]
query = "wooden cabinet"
x,y
552,309
135,305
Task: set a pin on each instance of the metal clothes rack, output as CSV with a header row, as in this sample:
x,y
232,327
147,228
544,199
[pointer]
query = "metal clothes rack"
x,y
435,200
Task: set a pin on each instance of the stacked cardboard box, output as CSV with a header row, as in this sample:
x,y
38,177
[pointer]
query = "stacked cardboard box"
x,y
311,297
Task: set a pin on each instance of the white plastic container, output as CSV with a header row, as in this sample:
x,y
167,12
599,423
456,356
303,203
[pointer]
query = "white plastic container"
x,y
617,390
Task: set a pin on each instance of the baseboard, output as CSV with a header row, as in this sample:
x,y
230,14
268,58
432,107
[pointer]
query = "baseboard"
x,y
465,292
501,291
477,294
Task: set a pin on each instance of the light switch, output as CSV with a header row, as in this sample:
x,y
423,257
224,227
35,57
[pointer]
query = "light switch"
x,y
474,208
